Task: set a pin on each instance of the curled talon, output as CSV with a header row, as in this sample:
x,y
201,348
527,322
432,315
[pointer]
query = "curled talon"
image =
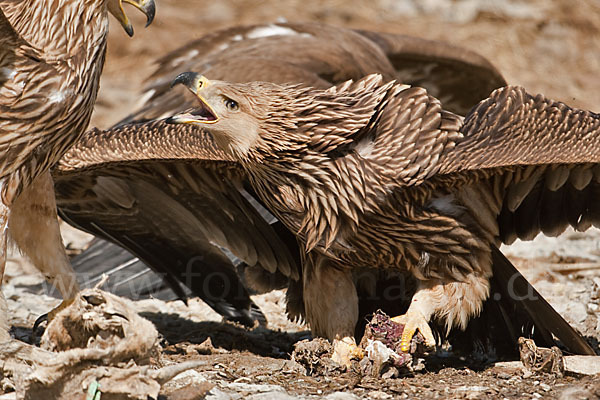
x,y
49,316
38,322
414,321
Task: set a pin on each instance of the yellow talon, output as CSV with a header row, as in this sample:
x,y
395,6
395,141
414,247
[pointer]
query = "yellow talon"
x,y
414,321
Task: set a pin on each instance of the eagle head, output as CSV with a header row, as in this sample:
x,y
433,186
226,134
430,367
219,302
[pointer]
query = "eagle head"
x,y
262,121
235,114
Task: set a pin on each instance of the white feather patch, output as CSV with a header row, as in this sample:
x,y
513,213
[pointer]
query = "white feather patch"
x,y
7,73
59,96
365,148
445,205
273,30
186,57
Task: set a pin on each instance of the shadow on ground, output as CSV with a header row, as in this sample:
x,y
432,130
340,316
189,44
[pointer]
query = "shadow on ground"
x,y
226,335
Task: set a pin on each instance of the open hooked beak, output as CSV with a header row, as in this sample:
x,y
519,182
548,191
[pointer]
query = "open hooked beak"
x,y
115,7
203,114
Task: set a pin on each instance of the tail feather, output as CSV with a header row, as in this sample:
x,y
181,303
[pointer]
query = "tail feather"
x,y
520,297
131,277
516,309
127,275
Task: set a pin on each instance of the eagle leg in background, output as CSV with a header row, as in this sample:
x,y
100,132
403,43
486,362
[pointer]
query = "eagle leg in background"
x,y
331,305
33,225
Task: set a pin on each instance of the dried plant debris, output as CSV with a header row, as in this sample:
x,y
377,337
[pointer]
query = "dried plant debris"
x,y
384,357
101,320
98,344
539,359
315,356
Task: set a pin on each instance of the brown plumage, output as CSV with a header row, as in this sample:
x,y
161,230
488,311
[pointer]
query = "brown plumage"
x,y
119,183
378,174
51,57
320,55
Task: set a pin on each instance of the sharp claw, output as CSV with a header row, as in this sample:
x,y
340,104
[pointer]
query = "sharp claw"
x,y
413,322
41,319
48,317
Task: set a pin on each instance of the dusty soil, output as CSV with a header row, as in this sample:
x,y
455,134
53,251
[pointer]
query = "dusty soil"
x,y
548,47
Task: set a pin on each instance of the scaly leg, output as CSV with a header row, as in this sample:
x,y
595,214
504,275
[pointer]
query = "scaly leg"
x,y
453,302
331,305
33,225
422,306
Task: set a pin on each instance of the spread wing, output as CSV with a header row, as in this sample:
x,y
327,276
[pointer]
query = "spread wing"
x,y
521,164
127,275
312,54
176,206
533,162
319,55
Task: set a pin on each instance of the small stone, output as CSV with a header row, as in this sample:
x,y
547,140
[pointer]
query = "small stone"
x,y
527,374
513,365
195,391
217,394
271,396
378,395
545,387
253,388
582,365
187,378
576,312
341,396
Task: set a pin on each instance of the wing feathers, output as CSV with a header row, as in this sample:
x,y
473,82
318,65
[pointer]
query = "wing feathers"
x,y
537,156
513,128
155,140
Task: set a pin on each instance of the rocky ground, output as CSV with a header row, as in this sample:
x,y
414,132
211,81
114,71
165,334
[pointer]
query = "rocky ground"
x,y
548,47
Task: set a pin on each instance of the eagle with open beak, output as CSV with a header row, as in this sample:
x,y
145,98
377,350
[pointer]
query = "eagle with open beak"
x,y
378,174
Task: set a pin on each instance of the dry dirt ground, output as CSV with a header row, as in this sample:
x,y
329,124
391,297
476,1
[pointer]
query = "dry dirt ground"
x,y
550,47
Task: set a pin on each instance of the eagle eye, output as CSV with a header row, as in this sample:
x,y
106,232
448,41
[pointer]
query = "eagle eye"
x,y
231,105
